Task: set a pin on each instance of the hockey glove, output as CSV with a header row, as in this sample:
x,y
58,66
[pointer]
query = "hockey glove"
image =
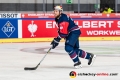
x,y
55,42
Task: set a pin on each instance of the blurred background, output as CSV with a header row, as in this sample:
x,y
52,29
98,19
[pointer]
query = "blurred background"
x,y
46,6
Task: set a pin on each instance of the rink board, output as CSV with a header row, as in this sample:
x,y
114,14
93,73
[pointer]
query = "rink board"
x,y
50,39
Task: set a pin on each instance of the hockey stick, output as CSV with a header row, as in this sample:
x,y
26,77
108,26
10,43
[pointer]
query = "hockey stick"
x,y
34,68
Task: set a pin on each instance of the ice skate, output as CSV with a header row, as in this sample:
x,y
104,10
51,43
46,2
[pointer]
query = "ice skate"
x,y
78,65
92,58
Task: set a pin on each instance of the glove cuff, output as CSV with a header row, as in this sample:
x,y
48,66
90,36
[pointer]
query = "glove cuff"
x,y
59,38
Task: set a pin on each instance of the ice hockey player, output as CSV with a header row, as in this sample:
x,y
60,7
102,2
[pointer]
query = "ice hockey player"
x,y
68,30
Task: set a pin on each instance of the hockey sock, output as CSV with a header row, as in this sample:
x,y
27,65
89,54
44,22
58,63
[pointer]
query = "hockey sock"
x,y
72,53
81,53
74,56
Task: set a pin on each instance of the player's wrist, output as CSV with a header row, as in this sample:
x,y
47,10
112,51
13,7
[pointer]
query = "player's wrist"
x,y
57,39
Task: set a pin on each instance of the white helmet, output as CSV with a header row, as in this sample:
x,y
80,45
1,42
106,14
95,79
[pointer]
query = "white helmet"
x,y
58,8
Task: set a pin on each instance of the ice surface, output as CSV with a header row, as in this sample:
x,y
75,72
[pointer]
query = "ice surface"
x,y
57,64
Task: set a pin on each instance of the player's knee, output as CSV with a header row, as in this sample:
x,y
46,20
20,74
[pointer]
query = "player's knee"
x,y
68,48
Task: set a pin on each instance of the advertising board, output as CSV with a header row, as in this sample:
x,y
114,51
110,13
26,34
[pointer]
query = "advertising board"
x,y
89,28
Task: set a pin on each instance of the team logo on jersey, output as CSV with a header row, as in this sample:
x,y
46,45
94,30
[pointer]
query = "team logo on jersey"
x,y
8,29
72,74
32,28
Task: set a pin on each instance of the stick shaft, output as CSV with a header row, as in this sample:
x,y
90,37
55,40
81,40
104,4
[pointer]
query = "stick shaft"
x,y
44,56
34,68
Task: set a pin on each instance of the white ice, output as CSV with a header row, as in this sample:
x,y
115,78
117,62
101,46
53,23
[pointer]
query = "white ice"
x,y
57,65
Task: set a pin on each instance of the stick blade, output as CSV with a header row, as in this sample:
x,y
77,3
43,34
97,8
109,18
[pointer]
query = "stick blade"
x,y
27,68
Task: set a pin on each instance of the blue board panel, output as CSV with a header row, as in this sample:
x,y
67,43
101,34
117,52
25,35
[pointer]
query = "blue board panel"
x,y
8,28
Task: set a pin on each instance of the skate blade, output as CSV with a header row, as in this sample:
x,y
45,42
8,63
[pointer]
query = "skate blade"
x,y
94,57
79,66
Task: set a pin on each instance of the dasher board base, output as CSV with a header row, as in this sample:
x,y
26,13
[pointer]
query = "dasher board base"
x,y
22,40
